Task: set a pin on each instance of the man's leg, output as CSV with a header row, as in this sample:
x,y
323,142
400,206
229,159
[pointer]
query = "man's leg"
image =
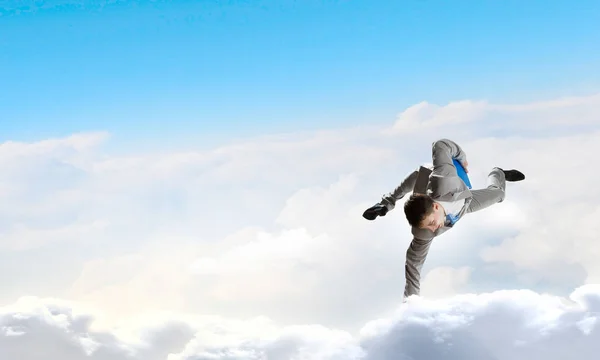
x,y
495,192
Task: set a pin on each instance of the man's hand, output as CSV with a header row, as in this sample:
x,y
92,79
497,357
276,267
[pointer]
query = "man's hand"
x,y
374,211
465,165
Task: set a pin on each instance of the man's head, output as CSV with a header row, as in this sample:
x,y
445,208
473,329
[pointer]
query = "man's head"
x,y
423,212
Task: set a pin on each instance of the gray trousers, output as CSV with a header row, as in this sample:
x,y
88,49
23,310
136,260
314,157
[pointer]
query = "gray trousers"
x,y
495,192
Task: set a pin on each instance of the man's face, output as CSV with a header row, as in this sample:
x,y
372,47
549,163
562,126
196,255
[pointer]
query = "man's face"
x,y
435,220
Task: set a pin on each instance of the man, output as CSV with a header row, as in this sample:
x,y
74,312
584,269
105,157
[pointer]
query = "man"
x,y
440,198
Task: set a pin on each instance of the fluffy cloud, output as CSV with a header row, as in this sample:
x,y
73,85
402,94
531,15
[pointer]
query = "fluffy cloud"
x,y
503,325
482,117
34,328
272,227
445,281
499,325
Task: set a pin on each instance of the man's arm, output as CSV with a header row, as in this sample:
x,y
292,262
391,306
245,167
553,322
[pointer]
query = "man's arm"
x,y
388,201
405,186
415,258
442,153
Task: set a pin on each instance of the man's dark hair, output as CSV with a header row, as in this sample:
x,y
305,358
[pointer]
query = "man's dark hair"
x,y
417,208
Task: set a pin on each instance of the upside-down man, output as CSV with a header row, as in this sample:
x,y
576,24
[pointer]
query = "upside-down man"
x,y
444,198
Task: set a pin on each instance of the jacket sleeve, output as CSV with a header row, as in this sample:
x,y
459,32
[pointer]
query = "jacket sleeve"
x,y
405,186
442,153
415,258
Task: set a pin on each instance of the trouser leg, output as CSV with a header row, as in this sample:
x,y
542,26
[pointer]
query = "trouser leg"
x,y
495,192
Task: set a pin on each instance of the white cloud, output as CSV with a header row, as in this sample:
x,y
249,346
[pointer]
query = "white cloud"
x,y
425,116
467,117
502,325
272,227
35,328
23,238
445,281
559,203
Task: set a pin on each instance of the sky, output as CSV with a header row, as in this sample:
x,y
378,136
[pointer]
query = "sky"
x,y
207,71
185,181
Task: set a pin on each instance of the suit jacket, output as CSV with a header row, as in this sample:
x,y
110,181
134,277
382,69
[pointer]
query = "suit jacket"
x,y
442,183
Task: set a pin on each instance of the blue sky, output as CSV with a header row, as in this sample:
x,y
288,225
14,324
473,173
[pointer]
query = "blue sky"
x,y
182,70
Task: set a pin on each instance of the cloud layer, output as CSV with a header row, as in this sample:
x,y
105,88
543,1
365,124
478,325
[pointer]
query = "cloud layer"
x,y
270,230
503,325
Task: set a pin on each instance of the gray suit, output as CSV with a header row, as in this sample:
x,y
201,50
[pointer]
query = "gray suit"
x,y
442,183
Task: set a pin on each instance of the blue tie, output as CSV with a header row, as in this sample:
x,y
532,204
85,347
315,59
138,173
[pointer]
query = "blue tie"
x,y
452,218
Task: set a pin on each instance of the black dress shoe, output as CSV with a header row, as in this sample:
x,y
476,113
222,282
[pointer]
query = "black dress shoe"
x,y
513,175
374,211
